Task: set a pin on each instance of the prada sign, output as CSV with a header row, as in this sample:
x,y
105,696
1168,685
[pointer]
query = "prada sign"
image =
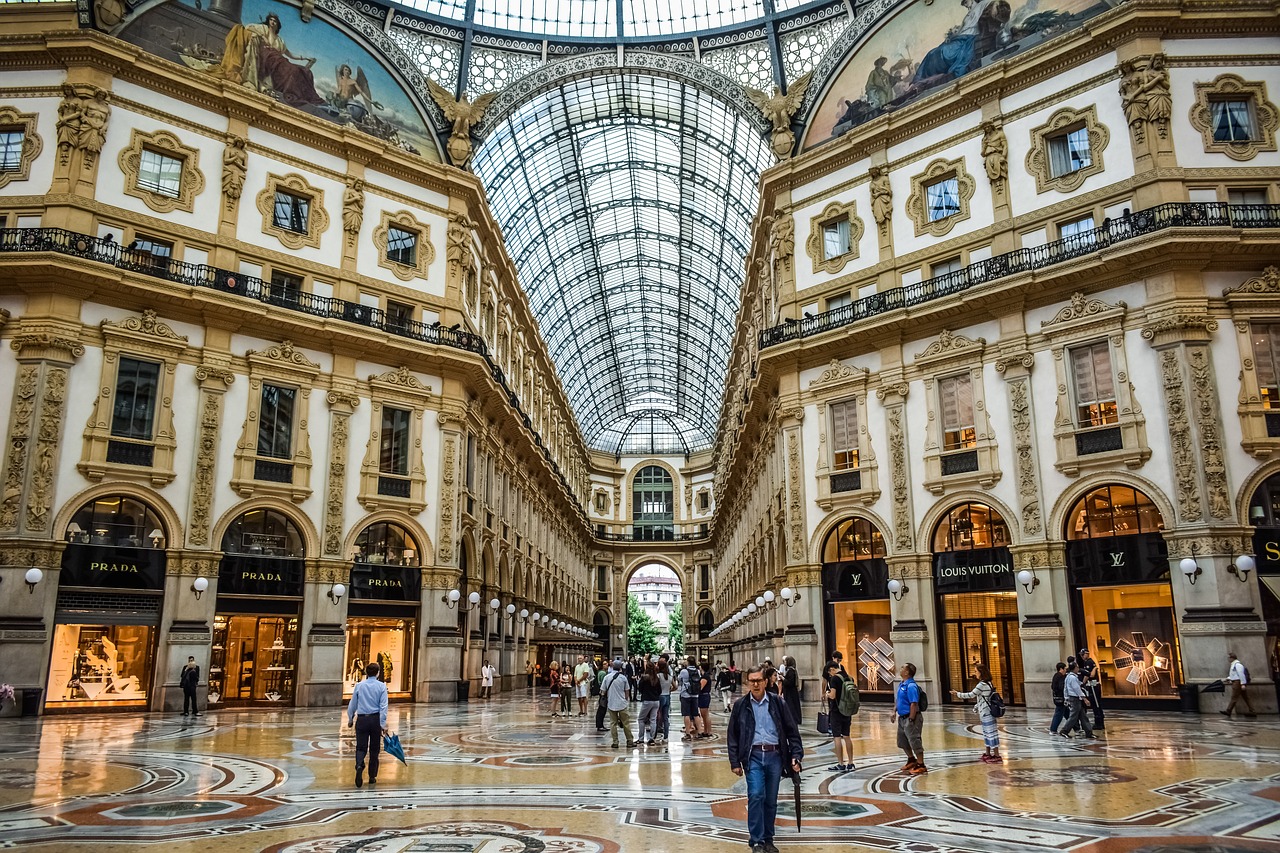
x,y
980,570
252,574
1141,558
853,580
382,582
108,567
1266,549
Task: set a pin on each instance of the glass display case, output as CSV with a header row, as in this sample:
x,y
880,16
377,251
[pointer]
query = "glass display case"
x,y
253,659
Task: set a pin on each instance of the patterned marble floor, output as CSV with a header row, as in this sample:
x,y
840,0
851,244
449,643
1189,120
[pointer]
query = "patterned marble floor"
x,y
497,777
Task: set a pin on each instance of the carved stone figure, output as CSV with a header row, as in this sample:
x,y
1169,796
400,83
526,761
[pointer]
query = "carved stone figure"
x,y
782,237
353,208
82,122
235,162
881,196
93,127
1145,96
995,152
778,109
465,114
458,250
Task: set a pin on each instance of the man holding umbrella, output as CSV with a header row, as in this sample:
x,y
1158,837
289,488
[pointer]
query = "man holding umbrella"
x,y
764,744
367,711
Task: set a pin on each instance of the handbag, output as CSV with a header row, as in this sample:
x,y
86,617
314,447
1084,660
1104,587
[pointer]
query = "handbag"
x,y
824,723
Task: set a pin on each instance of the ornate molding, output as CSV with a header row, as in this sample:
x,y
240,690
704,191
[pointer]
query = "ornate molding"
x,y
424,253
447,498
1081,308
401,379
147,324
1024,456
335,491
838,373
903,539
16,455
1182,449
317,217
1062,122
190,178
815,245
25,123
285,354
204,479
1025,360
1264,115
1209,426
44,346
41,480
1179,326
949,344
1267,284
795,504
917,202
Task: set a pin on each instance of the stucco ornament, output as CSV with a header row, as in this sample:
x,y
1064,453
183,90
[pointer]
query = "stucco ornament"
x,y
465,114
778,108
995,152
1145,96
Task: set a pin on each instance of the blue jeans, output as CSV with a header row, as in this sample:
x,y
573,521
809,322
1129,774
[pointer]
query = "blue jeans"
x,y
664,715
764,773
1059,714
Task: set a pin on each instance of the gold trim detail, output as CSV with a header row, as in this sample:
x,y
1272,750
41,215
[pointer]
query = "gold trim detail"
x,y
424,253
939,170
1062,122
190,178
317,216
834,212
1265,115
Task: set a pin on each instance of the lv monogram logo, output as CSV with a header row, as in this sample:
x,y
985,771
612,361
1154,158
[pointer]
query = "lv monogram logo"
x,y
1117,560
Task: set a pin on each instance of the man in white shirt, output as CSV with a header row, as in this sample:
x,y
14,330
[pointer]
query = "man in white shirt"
x,y
367,711
1238,678
487,673
582,684
617,690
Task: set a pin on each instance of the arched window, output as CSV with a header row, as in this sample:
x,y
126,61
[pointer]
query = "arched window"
x,y
117,521
970,526
1264,507
853,539
706,621
1113,511
387,542
264,533
653,504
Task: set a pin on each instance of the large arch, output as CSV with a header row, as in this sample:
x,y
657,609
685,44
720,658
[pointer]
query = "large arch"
x,y
290,510
151,498
1259,475
1057,517
935,513
426,558
833,518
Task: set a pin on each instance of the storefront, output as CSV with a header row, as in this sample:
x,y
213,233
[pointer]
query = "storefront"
x,y
1121,600
107,618
973,579
382,616
1264,515
855,596
255,631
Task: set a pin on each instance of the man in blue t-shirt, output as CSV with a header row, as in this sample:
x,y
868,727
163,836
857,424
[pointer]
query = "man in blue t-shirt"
x,y
910,721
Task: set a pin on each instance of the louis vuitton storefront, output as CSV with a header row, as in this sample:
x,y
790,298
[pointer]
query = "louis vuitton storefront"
x,y
110,591
1121,600
855,596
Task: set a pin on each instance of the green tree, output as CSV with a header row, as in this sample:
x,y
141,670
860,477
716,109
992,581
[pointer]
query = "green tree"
x,y
642,633
675,630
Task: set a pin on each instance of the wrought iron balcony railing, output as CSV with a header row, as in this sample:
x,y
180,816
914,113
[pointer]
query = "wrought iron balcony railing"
x,y
641,534
108,251
1171,215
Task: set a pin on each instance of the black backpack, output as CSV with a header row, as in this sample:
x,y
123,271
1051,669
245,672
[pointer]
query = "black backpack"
x,y
995,704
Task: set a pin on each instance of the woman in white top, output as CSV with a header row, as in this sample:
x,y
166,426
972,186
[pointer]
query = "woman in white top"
x,y
981,696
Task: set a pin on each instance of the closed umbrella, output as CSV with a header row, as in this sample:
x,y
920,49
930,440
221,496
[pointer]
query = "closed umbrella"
x,y
795,782
391,746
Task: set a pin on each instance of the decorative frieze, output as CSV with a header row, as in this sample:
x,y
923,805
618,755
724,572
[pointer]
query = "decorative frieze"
x,y
1182,448
1024,456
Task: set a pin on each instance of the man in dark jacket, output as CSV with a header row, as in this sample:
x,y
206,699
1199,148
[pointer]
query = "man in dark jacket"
x,y
764,744
189,681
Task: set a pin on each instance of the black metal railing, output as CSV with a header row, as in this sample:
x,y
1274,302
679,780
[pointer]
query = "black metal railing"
x,y
106,250
849,481
393,487
272,472
130,453
1202,214
1099,441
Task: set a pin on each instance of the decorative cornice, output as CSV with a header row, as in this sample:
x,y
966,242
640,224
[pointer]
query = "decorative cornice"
x,y
47,342
285,353
147,324
1024,359
1268,284
1081,308
838,372
1180,324
949,343
401,378
206,372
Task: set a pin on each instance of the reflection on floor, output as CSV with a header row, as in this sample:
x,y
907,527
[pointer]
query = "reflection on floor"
x,y
499,778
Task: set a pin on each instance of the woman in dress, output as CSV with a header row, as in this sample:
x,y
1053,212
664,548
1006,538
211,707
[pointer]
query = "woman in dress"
x,y
566,689
257,57
554,678
791,687
981,696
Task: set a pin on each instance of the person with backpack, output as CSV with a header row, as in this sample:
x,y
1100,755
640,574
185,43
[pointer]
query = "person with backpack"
x,y
840,715
1238,678
724,684
1077,701
690,681
989,705
908,713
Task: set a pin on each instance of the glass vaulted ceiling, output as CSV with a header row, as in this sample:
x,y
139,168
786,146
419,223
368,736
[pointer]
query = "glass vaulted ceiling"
x,y
599,18
626,201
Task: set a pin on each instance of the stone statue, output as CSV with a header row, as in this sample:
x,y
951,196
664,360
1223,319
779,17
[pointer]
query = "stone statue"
x,y
782,237
881,196
778,109
1144,94
995,151
459,241
353,208
465,114
93,126
235,162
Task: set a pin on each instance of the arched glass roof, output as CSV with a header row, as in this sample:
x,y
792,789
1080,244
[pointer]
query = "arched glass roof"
x,y
626,200
600,18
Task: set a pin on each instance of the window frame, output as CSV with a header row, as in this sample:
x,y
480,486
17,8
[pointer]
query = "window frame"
x,y
917,205
424,255
1264,114
948,358
1067,120
842,383
295,186
161,186
815,245
162,143
1253,302
281,365
396,390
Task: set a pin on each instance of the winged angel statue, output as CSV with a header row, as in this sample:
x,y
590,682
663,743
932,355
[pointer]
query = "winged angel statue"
x,y
465,114
778,109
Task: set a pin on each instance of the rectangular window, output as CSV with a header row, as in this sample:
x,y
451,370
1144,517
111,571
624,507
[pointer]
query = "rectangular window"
x,y
839,301
10,150
835,239
137,384
285,287
292,212
1250,195
399,316
159,173
1078,232
941,268
602,578
704,577
943,198
394,456
1266,360
1094,385
956,399
1232,120
844,435
275,421
144,251
402,246
1069,152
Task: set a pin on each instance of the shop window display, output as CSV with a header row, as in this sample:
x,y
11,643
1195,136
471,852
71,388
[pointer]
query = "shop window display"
x,y
386,642
1133,639
100,665
254,659
862,634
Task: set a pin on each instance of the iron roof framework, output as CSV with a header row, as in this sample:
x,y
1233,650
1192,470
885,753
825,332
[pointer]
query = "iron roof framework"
x,y
626,200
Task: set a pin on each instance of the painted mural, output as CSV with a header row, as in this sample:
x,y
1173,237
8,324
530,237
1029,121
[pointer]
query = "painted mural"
x,y
287,53
931,42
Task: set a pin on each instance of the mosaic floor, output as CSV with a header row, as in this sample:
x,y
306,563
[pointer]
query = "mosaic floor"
x,y
497,777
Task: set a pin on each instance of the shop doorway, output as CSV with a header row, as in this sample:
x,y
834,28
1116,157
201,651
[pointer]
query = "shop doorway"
x,y
855,592
254,658
982,628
